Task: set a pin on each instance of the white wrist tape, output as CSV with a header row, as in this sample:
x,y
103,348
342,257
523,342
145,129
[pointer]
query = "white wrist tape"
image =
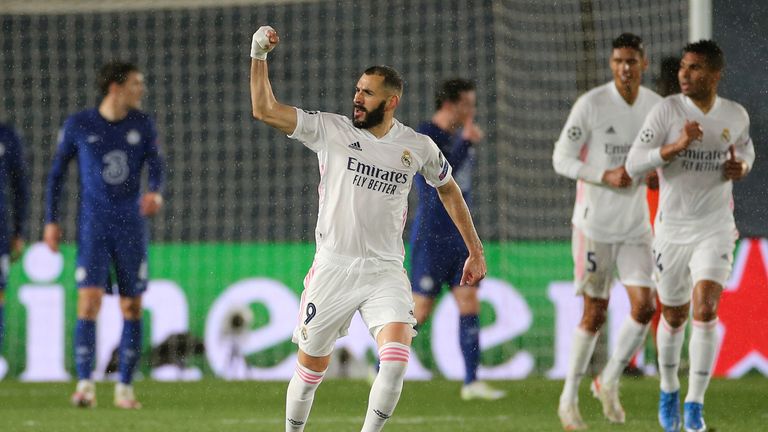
x,y
260,45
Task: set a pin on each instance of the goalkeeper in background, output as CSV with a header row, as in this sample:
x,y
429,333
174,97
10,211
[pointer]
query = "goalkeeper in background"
x,y
367,165
13,178
611,228
437,249
112,143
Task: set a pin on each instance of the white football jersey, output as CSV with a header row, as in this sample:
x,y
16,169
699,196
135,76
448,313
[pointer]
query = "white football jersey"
x,y
695,198
597,137
364,182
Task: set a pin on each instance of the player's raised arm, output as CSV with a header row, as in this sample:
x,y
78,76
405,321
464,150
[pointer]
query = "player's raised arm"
x,y
475,267
263,103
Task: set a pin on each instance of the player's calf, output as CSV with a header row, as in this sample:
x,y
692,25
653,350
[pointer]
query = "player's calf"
x,y
387,386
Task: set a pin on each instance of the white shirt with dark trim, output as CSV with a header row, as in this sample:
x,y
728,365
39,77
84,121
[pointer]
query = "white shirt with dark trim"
x,y
365,181
596,138
695,199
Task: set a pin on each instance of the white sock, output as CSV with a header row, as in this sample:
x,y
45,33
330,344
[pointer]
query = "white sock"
x,y
299,397
702,350
581,352
631,337
386,388
669,341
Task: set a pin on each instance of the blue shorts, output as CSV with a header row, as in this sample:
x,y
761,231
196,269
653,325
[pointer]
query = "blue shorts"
x,y
433,266
107,248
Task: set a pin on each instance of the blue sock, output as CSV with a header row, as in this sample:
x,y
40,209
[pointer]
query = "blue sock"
x,y
130,349
469,339
2,327
85,348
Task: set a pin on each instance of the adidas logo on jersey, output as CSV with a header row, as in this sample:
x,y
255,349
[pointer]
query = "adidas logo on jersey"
x,y
356,146
610,130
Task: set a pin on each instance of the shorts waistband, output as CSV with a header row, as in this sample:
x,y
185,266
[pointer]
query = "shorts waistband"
x,y
358,264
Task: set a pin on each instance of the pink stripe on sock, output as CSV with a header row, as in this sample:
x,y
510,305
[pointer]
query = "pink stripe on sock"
x,y
394,354
706,325
394,359
308,377
671,329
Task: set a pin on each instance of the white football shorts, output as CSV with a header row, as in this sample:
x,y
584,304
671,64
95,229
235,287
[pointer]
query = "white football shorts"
x,y
594,264
680,266
337,286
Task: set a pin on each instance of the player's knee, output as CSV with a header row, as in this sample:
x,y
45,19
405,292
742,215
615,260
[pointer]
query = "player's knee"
x,y
593,322
316,364
88,305
131,308
675,319
705,312
643,313
469,306
420,315
595,315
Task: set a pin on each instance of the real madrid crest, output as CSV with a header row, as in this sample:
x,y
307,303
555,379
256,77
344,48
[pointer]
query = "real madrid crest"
x,y
406,158
726,135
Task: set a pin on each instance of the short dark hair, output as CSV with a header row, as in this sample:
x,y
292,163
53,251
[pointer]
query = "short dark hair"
x,y
629,40
114,72
451,90
392,78
710,50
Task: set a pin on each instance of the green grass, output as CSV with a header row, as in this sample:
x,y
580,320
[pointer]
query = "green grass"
x,y
213,405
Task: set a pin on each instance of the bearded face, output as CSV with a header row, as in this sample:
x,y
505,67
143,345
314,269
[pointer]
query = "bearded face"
x,y
364,119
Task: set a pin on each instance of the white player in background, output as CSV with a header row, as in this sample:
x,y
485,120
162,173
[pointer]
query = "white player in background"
x,y
700,143
611,227
367,165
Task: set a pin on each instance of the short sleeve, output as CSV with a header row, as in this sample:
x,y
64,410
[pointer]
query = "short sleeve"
x,y
435,169
311,129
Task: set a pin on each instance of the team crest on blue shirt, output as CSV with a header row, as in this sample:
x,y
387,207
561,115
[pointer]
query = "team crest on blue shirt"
x,y
406,158
133,137
726,135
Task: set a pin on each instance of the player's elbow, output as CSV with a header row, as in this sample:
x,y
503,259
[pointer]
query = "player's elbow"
x,y
561,166
634,171
258,113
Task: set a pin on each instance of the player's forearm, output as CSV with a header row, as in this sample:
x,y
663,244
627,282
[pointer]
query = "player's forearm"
x,y
642,160
450,196
575,169
52,197
671,150
20,198
265,107
262,98
156,174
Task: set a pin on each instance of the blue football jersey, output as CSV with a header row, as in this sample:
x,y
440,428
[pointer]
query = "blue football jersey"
x,y
13,179
432,224
110,159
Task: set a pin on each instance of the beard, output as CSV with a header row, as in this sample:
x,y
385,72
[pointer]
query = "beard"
x,y
372,118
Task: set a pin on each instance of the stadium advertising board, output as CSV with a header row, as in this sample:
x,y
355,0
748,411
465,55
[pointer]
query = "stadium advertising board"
x,y
240,302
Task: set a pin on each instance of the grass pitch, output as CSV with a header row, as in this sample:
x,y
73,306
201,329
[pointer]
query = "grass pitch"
x,y
214,405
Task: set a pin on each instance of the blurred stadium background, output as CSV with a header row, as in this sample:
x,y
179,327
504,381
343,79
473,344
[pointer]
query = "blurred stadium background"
x,y
240,198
